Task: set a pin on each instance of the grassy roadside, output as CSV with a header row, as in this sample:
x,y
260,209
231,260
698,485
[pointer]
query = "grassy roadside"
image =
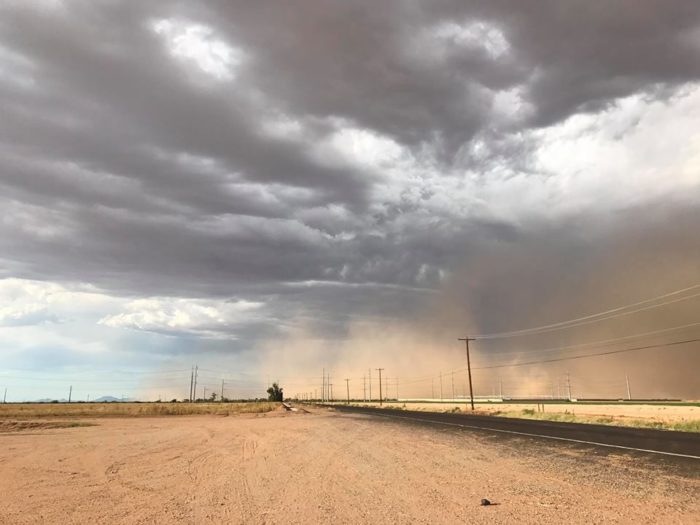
x,y
567,417
563,415
60,410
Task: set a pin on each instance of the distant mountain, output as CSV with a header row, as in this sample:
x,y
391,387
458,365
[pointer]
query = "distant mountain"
x,y
103,399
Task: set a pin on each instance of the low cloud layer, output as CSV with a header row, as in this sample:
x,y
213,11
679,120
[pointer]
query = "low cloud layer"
x,y
230,176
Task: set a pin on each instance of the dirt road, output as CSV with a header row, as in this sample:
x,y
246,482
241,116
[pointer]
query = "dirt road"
x,y
326,467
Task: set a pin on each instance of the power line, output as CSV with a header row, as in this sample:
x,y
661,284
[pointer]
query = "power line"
x,y
602,342
426,378
553,360
597,317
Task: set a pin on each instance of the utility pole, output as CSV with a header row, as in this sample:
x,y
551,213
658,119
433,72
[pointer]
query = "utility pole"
x,y
194,387
500,388
70,393
364,388
627,380
370,385
469,369
386,387
380,385
347,386
568,383
441,386
191,383
204,393
323,387
453,385
221,400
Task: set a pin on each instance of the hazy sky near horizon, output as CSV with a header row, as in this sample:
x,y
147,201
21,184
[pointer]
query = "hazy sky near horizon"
x,y
200,182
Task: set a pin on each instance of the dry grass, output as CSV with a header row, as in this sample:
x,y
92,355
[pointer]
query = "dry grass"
x,y
24,425
51,410
672,416
683,426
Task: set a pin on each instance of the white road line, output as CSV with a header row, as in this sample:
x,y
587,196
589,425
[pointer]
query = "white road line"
x,y
537,435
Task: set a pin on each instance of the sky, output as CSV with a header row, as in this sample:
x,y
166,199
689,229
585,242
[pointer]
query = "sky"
x,y
269,189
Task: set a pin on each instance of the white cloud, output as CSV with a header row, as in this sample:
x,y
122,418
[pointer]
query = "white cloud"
x,y
26,302
637,150
475,35
207,318
510,105
31,303
282,127
363,147
199,45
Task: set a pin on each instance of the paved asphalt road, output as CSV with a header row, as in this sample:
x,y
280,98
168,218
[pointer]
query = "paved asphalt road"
x,y
680,444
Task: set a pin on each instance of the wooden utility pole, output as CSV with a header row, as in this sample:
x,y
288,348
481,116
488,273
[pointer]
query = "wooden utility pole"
x,y
70,393
347,387
364,388
629,394
469,369
323,387
380,385
194,387
204,393
221,400
568,384
189,397
370,385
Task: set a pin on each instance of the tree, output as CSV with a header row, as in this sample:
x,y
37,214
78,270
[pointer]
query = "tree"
x,y
212,397
274,393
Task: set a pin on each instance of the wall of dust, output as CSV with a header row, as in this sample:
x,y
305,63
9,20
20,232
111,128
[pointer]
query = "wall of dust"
x,y
548,272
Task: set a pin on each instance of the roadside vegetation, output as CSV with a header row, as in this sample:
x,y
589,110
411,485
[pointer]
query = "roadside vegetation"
x,y
275,393
558,413
48,410
24,425
568,417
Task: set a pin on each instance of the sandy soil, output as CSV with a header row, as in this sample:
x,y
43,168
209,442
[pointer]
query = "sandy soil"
x,y
662,413
326,467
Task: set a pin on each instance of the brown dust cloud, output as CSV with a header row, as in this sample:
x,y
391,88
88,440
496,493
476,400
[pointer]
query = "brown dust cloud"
x,y
547,274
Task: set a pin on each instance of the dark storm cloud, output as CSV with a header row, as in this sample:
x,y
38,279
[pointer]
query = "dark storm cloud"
x,y
129,168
